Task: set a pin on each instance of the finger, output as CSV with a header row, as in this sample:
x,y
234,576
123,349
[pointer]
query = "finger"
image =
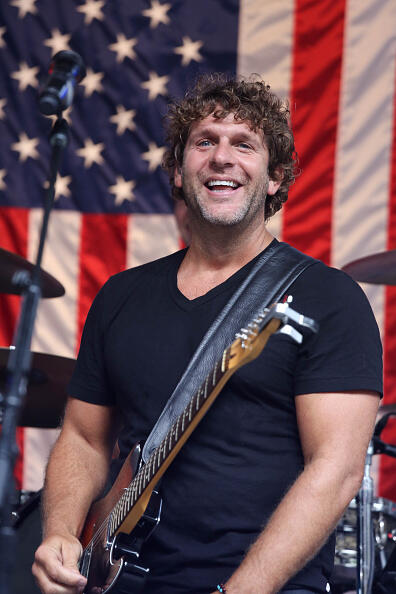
x,y
49,563
47,586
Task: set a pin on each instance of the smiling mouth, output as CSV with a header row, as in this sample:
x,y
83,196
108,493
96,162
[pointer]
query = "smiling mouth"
x,y
220,185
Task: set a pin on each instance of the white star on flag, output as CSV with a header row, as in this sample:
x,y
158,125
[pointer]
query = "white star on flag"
x,y
26,76
123,119
65,114
2,106
58,42
3,173
157,13
154,155
24,7
156,85
26,147
62,186
124,47
92,82
92,10
91,153
122,190
2,31
189,51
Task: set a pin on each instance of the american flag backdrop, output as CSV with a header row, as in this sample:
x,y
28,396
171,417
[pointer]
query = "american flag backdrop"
x,y
333,59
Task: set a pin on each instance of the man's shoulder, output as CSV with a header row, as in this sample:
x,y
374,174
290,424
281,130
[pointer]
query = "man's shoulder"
x,y
323,288
156,268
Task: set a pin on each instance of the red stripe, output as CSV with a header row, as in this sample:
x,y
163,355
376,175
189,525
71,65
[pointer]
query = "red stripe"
x,y
102,253
316,73
387,478
13,237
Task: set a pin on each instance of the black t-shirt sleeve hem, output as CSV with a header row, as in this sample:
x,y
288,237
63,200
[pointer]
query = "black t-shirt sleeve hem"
x,y
337,384
80,392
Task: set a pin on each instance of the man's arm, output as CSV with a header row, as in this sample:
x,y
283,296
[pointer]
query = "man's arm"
x,y
75,476
335,430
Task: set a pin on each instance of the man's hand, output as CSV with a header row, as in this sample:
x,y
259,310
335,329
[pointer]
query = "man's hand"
x,y
56,566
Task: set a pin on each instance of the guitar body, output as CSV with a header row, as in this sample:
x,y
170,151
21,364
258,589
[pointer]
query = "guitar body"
x,y
112,563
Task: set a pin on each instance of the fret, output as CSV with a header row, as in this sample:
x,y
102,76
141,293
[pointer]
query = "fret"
x,y
214,371
206,389
223,361
171,435
166,444
139,484
190,410
177,429
147,475
197,397
124,507
152,464
183,419
157,458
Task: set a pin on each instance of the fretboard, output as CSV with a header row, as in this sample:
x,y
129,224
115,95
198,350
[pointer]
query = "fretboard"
x,y
159,459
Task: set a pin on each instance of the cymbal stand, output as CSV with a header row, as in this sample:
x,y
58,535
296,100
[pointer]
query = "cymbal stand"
x,y
365,536
19,365
368,581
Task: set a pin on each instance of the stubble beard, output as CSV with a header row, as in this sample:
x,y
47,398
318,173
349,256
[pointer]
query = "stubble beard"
x,y
244,213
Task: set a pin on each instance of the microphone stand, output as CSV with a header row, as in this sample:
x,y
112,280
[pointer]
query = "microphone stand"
x,y
18,366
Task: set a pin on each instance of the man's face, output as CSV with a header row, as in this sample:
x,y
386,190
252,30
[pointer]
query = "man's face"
x,y
225,171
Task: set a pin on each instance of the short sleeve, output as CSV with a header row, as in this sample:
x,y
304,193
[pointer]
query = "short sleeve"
x,y
89,381
346,353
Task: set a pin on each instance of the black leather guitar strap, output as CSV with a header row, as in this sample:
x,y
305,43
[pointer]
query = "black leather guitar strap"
x,y
275,270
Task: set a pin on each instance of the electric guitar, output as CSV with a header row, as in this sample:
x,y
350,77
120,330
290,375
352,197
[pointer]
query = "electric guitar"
x,y
118,524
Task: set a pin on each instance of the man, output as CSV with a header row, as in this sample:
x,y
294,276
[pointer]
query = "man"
x,y
250,501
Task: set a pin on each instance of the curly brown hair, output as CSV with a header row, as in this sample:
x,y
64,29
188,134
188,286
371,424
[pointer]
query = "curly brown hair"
x,y
249,100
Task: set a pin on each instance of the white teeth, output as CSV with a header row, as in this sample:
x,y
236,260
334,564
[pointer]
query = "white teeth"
x,y
222,182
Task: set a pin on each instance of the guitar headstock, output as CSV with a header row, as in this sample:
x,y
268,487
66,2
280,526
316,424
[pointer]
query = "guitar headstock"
x,y
251,340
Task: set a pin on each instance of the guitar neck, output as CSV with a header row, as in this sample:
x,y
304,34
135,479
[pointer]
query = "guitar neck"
x,y
163,455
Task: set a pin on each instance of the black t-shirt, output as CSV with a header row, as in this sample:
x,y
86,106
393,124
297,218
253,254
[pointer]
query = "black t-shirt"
x,y
220,490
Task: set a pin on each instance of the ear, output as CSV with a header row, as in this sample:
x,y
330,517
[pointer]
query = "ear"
x,y
275,182
178,177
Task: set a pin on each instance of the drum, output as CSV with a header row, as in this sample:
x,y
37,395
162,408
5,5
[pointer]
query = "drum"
x,y
27,523
384,527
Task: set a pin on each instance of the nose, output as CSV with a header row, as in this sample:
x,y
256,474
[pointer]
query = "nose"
x,y
222,154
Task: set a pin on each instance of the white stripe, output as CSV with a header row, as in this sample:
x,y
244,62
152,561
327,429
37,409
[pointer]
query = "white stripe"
x,y
265,45
265,41
37,446
150,237
364,138
56,322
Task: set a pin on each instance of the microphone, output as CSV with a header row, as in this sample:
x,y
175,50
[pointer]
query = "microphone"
x,y
65,71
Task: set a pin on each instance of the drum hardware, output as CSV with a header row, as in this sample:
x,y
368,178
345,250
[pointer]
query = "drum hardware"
x,y
366,535
46,391
378,269
13,272
26,521
365,540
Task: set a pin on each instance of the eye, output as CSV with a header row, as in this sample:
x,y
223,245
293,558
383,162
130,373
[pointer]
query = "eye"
x,y
205,142
244,146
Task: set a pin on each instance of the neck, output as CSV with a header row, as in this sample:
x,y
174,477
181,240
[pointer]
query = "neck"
x,y
216,248
212,259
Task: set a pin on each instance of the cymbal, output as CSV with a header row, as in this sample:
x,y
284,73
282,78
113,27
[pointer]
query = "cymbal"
x,y
11,263
378,269
46,392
